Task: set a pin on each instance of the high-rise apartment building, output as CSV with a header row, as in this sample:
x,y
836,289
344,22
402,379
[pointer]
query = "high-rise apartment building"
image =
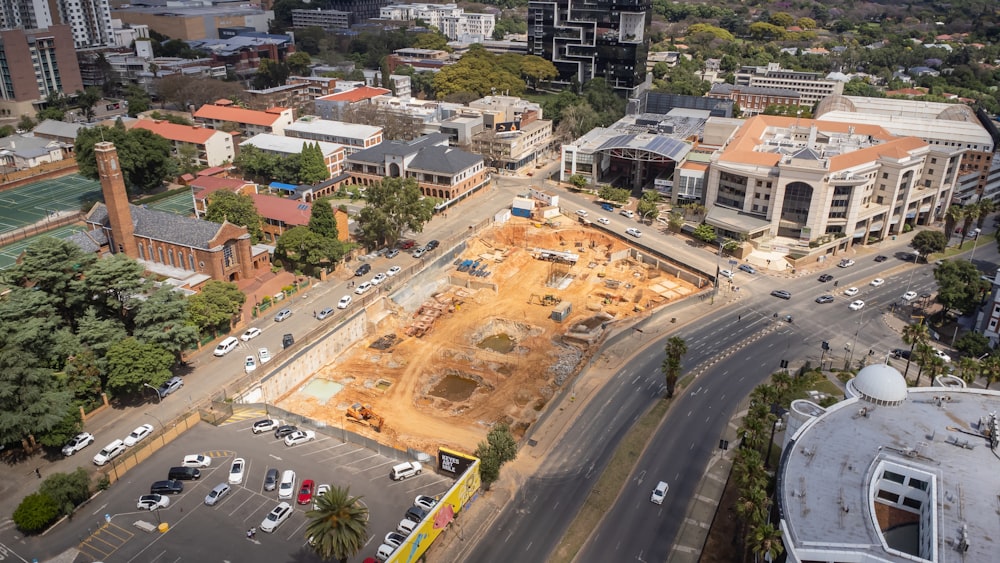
x,y
89,20
35,63
594,39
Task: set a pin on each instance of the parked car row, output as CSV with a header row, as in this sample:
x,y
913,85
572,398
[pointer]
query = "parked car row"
x,y
422,506
112,450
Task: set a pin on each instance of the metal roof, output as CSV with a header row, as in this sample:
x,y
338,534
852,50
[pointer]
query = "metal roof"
x,y
664,146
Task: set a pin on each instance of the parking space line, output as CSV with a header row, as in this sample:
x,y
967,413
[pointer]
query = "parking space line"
x,y
346,454
362,459
299,527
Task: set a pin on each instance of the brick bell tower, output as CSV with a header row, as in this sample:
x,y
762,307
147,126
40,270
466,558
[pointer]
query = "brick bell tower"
x,y
116,200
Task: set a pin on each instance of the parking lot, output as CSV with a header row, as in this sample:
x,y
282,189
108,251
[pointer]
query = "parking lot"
x,y
107,529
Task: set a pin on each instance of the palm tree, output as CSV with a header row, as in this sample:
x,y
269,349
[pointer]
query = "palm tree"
x,y
952,217
782,381
972,212
765,541
764,395
338,528
671,366
752,433
986,206
991,369
914,334
969,369
922,355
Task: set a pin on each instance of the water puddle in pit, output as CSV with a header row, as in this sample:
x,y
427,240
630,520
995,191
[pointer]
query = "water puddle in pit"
x,y
501,343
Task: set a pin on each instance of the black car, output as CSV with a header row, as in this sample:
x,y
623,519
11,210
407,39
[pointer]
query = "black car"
x,y
432,245
287,340
282,431
415,514
781,294
881,258
825,278
901,353
363,269
824,299
169,487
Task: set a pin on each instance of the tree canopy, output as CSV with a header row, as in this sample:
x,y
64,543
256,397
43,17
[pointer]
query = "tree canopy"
x,y
480,73
394,206
144,156
238,209
216,306
960,286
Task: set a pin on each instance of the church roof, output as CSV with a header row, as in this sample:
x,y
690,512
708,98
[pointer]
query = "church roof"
x,y
163,226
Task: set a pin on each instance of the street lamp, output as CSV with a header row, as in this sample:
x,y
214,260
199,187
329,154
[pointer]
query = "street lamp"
x,y
975,242
155,390
163,428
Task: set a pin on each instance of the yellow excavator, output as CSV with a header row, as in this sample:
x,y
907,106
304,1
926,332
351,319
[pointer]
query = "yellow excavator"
x,y
363,414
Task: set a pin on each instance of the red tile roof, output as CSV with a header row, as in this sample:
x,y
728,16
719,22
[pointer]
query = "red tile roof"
x,y
289,211
236,115
356,95
175,132
203,186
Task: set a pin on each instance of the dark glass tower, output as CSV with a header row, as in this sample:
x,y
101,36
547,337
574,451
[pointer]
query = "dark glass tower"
x,y
588,39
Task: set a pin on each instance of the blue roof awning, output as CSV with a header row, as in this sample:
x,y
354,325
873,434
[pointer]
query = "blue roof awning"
x,y
280,186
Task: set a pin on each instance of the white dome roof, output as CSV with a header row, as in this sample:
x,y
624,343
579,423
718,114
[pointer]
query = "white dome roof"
x,y
881,383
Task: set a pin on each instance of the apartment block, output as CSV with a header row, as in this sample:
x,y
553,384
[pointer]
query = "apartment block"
x,y
247,121
451,20
811,86
35,63
586,40
352,136
325,19
753,100
207,147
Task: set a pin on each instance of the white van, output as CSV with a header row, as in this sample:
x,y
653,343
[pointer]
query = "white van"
x,y
404,470
286,488
226,346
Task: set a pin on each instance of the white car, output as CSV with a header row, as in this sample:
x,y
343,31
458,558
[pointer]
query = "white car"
x,y
726,274
877,282
393,271
384,552
110,452
196,460
659,493
250,364
581,212
250,334
851,291
274,518
425,502
299,437
394,539
603,221
236,471
379,278
942,355
634,232
265,425
80,441
152,502
320,491
344,302
909,296
138,434
627,213
264,355
856,305
363,287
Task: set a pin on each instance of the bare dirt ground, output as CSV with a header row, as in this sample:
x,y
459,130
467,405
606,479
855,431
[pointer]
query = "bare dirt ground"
x,y
469,357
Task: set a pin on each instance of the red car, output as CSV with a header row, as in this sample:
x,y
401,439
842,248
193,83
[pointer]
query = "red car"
x,y
306,492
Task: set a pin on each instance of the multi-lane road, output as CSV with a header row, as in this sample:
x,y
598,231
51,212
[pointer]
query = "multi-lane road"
x,y
634,529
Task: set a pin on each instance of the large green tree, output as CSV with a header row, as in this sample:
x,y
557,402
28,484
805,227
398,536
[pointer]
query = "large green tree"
x,y
68,490
132,363
51,265
216,306
312,165
145,157
960,286
31,400
35,513
302,249
929,242
299,63
322,219
238,209
537,70
338,527
499,448
674,352
162,319
394,206
113,285
479,73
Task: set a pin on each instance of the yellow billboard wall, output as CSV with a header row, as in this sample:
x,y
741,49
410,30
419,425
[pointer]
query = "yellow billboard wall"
x,y
451,503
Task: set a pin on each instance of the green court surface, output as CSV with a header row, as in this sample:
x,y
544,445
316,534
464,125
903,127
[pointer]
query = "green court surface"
x,y
180,204
28,204
9,253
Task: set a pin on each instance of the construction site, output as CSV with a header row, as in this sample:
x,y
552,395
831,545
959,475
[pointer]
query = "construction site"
x,y
499,329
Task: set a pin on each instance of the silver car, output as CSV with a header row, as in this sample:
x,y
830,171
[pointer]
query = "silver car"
x,y
217,493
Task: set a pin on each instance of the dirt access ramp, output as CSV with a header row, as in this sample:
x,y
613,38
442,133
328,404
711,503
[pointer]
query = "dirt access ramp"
x,y
485,348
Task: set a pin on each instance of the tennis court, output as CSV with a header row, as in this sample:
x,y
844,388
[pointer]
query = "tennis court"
x,y
180,204
23,206
9,253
